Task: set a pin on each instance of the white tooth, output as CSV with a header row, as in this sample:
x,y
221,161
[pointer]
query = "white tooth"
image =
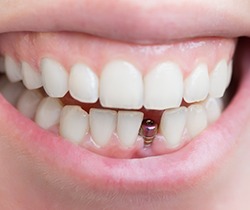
x,y
102,125
219,79
163,87
2,69
73,123
28,103
48,112
12,69
83,84
197,84
128,125
12,91
172,126
196,120
31,78
54,78
121,86
230,72
213,108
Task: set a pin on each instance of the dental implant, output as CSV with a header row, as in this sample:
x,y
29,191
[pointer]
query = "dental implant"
x,y
148,131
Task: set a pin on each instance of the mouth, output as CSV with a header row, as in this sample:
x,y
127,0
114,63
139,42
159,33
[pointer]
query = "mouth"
x,y
120,106
168,110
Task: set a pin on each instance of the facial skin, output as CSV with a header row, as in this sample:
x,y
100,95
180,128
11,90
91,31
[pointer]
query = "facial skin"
x,y
33,175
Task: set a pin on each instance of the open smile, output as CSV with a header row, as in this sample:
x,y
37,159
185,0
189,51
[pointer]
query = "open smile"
x,y
82,103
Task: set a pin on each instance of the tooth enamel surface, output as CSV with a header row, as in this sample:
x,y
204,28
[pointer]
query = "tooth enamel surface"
x,y
31,78
54,78
219,79
83,84
12,69
214,107
196,120
163,87
128,125
102,125
12,91
172,126
74,123
28,102
197,84
121,86
230,73
48,112
2,69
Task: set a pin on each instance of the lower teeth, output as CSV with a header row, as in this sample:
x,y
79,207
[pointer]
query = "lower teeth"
x,y
122,134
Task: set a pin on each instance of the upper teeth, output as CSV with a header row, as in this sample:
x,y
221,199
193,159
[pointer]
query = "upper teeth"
x,y
121,84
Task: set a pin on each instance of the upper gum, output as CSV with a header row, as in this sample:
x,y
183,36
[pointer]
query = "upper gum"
x,y
96,52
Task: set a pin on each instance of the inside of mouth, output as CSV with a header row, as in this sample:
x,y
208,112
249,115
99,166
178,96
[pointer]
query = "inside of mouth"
x,y
110,131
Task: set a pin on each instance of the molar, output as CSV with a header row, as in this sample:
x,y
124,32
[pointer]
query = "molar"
x,y
11,91
121,86
163,87
83,84
54,78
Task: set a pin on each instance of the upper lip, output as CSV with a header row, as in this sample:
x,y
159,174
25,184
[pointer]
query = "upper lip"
x,y
129,20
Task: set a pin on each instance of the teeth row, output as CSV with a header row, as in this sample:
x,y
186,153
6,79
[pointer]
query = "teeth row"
x,y
74,124
121,85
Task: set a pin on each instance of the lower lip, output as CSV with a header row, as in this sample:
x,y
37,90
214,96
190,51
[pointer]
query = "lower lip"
x,y
169,172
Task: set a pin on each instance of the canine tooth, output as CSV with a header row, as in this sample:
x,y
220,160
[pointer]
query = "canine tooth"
x,y
12,91
230,72
48,112
163,87
2,69
28,103
219,79
54,78
102,125
214,107
73,123
12,69
172,125
83,84
128,125
31,78
196,120
121,86
197,84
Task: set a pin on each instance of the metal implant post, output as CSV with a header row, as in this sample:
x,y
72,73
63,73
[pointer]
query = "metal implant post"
x,y
148,131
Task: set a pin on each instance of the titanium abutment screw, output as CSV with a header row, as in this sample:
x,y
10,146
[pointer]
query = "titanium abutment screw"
x,y
148,131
